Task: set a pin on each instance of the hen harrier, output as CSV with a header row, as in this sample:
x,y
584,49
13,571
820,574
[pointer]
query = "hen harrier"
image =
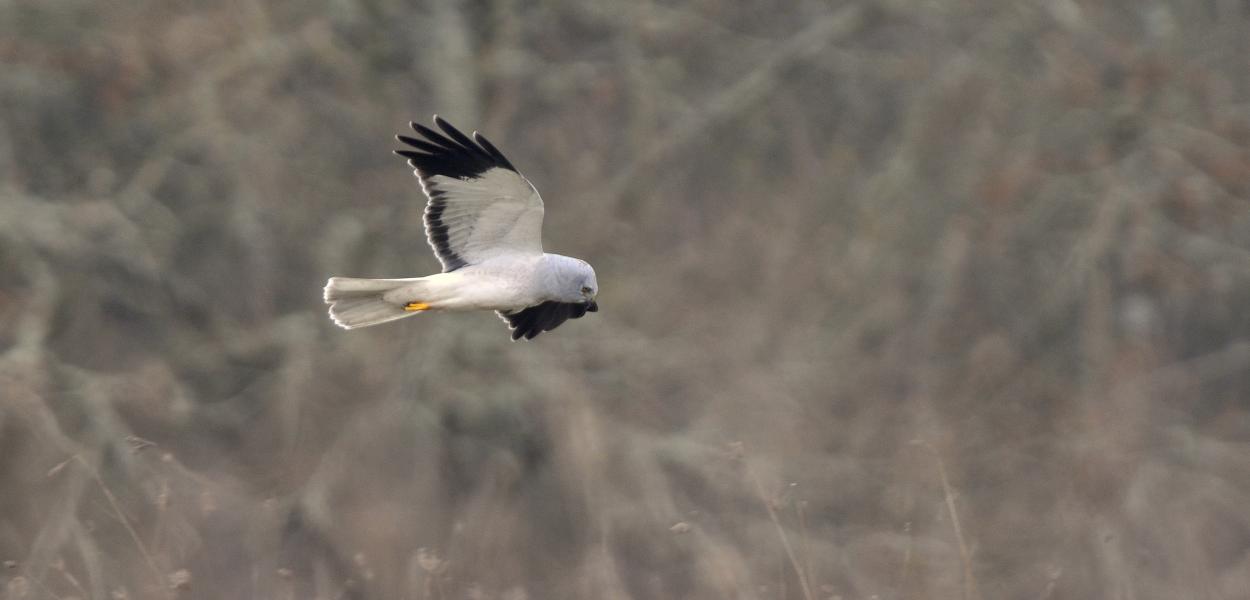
x,y
484,222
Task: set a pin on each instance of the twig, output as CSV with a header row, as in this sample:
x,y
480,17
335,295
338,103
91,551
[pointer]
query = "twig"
x,y
59,566
970,583
781,532
906,571
800,509
121,516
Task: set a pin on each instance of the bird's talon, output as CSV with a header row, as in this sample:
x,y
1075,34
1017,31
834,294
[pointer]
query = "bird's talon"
x,y
416,306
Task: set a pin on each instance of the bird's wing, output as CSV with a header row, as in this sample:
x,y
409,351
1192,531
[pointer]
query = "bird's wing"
x,y
531,321
480,206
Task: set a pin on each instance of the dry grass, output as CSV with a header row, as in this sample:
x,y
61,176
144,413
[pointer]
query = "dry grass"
x,y
1014,231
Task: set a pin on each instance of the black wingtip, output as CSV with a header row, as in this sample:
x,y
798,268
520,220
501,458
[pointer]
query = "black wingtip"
x,y
450,153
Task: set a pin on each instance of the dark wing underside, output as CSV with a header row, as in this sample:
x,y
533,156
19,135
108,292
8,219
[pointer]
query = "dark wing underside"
x,y
534,320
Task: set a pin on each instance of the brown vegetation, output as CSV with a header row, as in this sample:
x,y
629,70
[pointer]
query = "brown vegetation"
x,y
899,300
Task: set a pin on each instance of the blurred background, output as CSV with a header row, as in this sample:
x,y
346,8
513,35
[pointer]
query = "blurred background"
x,y
940,299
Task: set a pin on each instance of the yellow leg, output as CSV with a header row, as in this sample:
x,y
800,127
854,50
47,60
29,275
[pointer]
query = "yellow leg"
x,y
416,306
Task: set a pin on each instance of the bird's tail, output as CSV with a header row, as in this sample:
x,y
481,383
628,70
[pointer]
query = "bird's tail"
x,y
358,303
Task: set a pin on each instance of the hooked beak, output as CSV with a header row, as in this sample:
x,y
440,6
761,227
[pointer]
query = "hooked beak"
x,y
592,306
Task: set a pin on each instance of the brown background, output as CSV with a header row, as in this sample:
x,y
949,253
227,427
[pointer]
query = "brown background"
x,y
943,299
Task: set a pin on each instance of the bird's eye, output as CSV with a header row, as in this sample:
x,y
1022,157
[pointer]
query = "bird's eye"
x,y
585,290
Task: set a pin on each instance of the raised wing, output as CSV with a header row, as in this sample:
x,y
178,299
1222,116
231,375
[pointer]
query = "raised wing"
x,y
531,321
480,206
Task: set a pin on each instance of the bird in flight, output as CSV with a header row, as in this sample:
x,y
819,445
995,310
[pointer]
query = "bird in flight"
x,y
484,221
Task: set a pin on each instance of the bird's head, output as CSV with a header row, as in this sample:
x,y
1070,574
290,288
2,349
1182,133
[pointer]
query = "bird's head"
x,y
579,285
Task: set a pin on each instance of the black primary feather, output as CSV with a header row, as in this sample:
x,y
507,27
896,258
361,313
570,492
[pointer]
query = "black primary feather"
x,y
451,155
530,322
493,151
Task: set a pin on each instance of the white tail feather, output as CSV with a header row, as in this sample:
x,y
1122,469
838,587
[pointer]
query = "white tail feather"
x,y
358,303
